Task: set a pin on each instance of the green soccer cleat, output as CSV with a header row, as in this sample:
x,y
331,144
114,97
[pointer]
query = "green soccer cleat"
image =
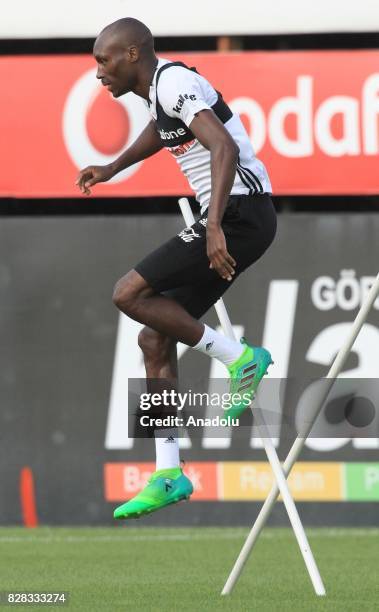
x,y
163,488
245,375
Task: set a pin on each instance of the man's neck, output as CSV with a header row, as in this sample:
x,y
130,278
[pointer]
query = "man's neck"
x,y
143,84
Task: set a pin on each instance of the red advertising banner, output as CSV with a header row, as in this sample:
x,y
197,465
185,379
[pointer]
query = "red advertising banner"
x,y
312,118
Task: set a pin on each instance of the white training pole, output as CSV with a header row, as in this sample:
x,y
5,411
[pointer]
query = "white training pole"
x,y
269,447
300,441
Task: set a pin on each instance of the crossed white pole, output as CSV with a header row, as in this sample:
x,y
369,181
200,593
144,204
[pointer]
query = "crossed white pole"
x,y
282,472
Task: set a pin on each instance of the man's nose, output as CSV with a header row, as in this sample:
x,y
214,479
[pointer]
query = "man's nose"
x,y
99,74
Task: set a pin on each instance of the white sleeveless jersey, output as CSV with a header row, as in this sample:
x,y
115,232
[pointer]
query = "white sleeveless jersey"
x,y
182,93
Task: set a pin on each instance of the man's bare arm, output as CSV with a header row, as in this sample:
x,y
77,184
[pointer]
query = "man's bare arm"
x,y
212,134
148,143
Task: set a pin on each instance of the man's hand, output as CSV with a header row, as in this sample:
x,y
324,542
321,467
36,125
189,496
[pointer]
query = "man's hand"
x,y
220,259
91,175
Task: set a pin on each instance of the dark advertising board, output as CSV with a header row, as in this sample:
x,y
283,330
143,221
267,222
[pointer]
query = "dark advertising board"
x,y
67,354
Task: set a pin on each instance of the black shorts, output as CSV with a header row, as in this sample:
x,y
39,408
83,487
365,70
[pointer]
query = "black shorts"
x,y
180,269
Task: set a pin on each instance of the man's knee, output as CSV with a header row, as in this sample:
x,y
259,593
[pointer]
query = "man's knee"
x,y
128,290
155,345
123,292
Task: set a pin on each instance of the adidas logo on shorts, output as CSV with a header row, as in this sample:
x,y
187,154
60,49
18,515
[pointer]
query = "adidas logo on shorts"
x,y
188,234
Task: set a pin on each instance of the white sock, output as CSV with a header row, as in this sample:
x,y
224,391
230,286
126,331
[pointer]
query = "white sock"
x,y
217,345
167,448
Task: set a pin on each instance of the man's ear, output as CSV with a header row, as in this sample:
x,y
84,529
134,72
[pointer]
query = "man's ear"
x,y
133,53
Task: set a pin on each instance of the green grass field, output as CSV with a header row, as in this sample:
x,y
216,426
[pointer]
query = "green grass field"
x,y
130,568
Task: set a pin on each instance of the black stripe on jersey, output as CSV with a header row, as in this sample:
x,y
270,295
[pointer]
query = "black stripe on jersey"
x,y
244,181
247,180
254,176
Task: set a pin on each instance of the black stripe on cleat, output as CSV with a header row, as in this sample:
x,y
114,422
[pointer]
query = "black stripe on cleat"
x,y
252,367
243,387
245,378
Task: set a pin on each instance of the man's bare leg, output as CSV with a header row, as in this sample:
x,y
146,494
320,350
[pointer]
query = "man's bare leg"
x,y
134,297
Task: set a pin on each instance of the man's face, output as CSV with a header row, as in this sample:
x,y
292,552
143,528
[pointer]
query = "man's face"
x,y
115,66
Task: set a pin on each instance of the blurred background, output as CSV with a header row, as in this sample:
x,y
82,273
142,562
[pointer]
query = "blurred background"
x,y
304,77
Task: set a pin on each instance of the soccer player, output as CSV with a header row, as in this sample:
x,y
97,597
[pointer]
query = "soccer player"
x,y
171,288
